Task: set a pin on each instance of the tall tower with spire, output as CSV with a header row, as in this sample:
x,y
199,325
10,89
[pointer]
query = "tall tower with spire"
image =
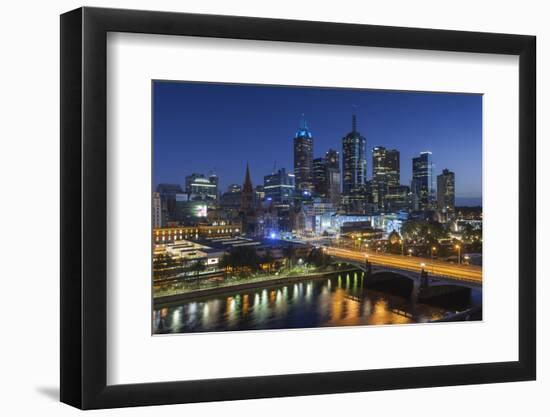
x,y
354,167
303,157
247,193
248,211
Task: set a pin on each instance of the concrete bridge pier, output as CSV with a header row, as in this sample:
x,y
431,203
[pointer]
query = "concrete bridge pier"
x,y
417,286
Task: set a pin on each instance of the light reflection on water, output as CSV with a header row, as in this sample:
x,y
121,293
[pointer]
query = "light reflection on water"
x,y
340,300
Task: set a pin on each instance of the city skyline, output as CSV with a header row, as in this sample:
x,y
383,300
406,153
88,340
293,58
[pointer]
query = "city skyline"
x,y
193,118
292,207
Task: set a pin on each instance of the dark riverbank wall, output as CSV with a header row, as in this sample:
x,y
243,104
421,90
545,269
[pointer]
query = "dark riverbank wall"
x,y
198,294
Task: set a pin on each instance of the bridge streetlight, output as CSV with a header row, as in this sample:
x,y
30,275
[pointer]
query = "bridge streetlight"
x,y
423,275
432,256
457,247
410,252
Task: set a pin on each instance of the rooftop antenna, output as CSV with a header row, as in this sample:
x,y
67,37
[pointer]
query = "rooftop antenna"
x,y
274,167
303,123
354,119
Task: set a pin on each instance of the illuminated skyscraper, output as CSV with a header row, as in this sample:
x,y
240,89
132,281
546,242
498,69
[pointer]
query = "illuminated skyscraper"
x,y
332,159
320,177
303,158
333,177
446,191
385,173
422,182
354,167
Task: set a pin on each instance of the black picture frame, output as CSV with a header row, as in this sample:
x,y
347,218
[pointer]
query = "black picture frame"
x,y
84,207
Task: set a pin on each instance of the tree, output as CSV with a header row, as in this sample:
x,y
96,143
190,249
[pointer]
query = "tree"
x,y
197,268
410,229
225,264
268,259
241,258
289,252
319,258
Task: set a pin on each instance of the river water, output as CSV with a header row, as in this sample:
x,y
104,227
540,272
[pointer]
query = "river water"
x,y
336,300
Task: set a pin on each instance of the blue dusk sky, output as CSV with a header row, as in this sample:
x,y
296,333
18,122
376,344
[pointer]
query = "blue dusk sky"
x,y
203,127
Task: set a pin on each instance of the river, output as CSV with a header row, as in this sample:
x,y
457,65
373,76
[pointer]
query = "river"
x,y
336,300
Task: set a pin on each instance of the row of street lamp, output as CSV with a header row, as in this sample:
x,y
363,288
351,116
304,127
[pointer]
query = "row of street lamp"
x,y
432,250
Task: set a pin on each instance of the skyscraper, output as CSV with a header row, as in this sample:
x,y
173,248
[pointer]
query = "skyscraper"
x,y
332,159
303,158
446,191
333,177
354,167
422,182
385,173
320,177
393,173
279,187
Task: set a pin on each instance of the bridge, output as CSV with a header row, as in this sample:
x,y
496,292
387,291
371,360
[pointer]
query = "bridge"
x,y
435,273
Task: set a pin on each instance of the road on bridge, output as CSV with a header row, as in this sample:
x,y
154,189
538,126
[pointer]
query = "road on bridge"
x,y
411,263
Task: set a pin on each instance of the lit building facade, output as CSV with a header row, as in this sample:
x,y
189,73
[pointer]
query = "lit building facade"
x,y
189,212
199,187
398,198
202,231
320,177
422,182
385,173
279,187
303,158
354,169
333,186
446,191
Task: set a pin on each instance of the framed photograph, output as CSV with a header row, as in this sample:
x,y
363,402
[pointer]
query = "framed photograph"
x,y
257,208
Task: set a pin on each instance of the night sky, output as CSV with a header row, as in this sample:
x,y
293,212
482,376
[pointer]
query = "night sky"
x,y
203,127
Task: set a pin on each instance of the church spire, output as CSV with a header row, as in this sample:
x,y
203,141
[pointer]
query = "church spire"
x,y
247,193
247,186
